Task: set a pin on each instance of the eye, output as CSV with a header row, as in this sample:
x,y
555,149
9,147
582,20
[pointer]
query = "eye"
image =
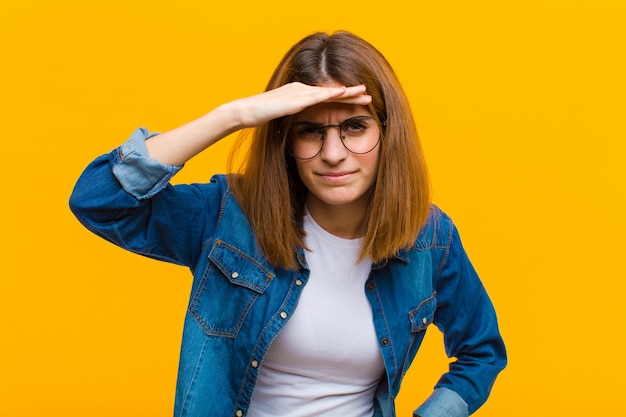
x,y
355,125
308,131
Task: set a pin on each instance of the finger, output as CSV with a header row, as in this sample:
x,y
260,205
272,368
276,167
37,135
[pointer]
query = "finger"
x,y
324,93
362,100
330,93
356,90
353,95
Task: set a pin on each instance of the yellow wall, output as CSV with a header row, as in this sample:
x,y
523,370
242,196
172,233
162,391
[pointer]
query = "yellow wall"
x,y
521,108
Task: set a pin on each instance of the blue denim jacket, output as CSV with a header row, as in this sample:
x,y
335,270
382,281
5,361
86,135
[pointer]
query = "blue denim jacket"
x,y
239,303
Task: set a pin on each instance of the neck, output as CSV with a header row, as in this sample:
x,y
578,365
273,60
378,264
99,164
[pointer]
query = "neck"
x,y
344,221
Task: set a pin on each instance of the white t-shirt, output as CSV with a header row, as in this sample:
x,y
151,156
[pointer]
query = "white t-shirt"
x,y
326,361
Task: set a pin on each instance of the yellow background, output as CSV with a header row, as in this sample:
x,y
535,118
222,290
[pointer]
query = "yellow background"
x,y
521,109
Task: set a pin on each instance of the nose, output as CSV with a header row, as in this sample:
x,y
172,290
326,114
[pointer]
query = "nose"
x,y
333,150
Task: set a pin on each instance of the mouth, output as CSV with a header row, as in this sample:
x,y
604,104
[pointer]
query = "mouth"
x,y
336,177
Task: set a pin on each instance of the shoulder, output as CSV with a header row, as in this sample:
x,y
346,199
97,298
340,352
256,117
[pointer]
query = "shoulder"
x,y
220,181
437,231
216,195
214,192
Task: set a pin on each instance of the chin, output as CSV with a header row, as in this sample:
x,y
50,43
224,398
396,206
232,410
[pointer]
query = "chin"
x,y
340,200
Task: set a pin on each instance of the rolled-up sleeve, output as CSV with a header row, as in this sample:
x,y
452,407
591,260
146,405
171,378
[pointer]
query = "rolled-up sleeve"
x,y
140,175
443,402
125,197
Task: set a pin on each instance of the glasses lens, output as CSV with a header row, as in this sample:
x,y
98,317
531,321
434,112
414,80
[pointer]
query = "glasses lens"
x,y
306,140
358,135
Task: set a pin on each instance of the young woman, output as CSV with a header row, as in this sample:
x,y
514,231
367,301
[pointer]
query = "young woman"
x,y
318,267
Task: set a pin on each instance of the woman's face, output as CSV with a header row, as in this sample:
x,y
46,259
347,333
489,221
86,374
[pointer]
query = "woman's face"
x,y
336,177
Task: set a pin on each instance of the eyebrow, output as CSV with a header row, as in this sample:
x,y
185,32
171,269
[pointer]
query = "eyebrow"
x,y
304,122
307,122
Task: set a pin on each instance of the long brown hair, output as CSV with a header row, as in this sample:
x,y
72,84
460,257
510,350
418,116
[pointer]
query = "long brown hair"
x,y
269,188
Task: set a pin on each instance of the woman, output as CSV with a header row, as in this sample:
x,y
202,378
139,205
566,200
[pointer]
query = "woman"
x,y
318,268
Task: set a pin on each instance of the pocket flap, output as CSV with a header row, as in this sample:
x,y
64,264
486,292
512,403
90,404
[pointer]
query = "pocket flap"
x,y
423,315
240,268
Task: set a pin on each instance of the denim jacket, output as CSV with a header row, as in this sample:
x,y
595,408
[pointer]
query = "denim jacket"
x,y
239,302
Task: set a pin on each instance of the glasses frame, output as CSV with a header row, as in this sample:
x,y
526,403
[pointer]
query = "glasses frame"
x,y
323,129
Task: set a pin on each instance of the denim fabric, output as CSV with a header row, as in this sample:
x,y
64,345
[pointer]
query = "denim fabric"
x,y
239,302
442,402
136,170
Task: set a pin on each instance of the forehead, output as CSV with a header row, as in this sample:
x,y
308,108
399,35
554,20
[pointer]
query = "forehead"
x,y
331,112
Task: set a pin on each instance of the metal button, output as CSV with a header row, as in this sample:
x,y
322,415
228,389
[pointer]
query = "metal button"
x,y
298,282
283,315
370,286
235,275
385,342
239,413
255,364
424,320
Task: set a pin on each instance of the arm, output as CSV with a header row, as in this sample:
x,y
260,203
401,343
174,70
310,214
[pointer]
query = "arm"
x,y
125,197
468,321
179,145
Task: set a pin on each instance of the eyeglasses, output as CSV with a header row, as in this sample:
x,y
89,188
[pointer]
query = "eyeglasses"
x,y
357,135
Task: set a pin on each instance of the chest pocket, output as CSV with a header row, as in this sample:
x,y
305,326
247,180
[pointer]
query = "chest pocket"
x,y
422,315
228,289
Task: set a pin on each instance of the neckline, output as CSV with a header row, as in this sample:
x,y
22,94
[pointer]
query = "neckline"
x,y
311,225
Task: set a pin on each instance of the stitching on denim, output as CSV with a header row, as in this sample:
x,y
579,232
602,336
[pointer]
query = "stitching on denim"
x,y
228,195
196,296
121,241
231,334
382,311
249,258
444,258
118,233
160,185
269,323
193,378
269,276
413,313
201,289
420,332
129,144
215,264
222,207
193,307
241,282
206,328
434,221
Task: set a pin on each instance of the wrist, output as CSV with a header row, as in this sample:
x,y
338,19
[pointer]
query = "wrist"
x,y
228,117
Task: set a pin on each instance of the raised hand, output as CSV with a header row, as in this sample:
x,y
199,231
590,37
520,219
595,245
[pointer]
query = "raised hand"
x,y
177,146
291,99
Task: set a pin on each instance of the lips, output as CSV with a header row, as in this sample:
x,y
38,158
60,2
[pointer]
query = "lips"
x,y
336,177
